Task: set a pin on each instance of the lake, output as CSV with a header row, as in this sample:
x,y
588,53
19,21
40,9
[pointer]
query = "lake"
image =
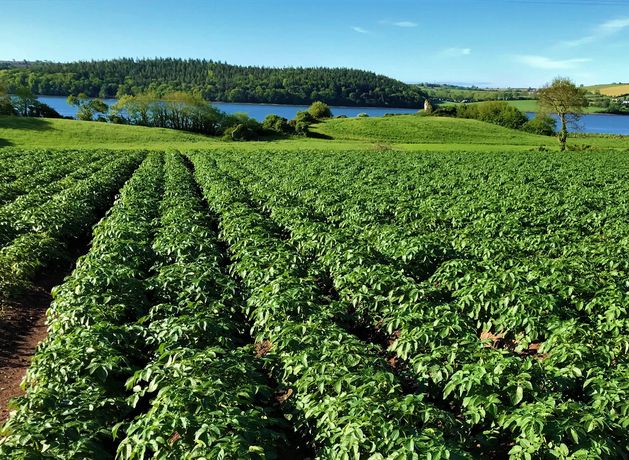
x,y
257,111
592,123
597,123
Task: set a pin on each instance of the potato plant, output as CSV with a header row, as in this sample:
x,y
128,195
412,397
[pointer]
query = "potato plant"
x,y
39,230
492,324
377,305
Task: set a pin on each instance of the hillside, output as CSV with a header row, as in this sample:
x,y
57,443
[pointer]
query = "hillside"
x,y
404,132
612,90
216,81
414,129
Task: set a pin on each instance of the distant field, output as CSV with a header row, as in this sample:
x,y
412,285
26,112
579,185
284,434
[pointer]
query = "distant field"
x,y
614,90
531,105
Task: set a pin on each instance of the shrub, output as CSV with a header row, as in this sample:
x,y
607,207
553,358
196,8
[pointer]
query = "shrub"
x,y
496,112
305,117
449,111
6,108
302,128
320,110
362,115
541,124
240,132
277,124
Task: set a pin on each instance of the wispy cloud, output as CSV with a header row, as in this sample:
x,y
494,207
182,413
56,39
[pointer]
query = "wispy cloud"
x,y
360,30
613,26
456,52
543,62
602,31
405,24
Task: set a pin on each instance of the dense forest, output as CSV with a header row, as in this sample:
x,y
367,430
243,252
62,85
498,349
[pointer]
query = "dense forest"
x,y
214,81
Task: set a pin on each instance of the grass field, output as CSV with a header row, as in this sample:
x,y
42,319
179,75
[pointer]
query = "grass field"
x,y
405,132
612,90
420,133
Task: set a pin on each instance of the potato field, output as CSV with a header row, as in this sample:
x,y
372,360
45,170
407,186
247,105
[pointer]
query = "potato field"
x,y
330,305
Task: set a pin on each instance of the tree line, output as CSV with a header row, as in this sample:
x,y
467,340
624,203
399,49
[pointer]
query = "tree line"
x,y
214,81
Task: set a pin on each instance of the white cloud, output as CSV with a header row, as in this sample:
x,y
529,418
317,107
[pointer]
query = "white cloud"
x,y
579,41
543,62
613,26
600,32
360,30
456,52
405,24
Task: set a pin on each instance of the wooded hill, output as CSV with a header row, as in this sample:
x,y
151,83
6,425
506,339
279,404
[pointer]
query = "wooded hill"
x,y
216,81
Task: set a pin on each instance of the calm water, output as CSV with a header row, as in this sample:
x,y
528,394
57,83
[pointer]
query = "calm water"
x,y
598,123
257,111
595,123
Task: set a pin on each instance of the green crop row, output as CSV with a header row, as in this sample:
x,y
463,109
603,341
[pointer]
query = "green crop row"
x,y
439,332
34,169
338,389
39,231
208,397
75,388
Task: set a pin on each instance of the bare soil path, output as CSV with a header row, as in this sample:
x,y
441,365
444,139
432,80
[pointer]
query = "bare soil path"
x,y
22,328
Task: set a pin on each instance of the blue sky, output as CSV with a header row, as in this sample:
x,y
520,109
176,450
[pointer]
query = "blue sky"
x,y
483,42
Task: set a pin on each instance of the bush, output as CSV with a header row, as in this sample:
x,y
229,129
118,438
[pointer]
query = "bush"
x,y
277,124
305,117
363,115
240,132
496,112
39,109
341,116
6,107
320,110
448,111
541,124
302,128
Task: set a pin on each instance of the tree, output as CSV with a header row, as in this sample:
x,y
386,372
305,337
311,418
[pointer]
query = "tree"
x,y
565,99
6,107
24,99
87,107
320,110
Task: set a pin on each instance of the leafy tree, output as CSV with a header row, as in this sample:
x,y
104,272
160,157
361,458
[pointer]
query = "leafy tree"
x,y
24,98
304,117
98,106
320,110
496,112
180,110
565,99
88,108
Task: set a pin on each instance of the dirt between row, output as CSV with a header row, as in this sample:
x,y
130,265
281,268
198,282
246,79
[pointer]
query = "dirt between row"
x,y
22,328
